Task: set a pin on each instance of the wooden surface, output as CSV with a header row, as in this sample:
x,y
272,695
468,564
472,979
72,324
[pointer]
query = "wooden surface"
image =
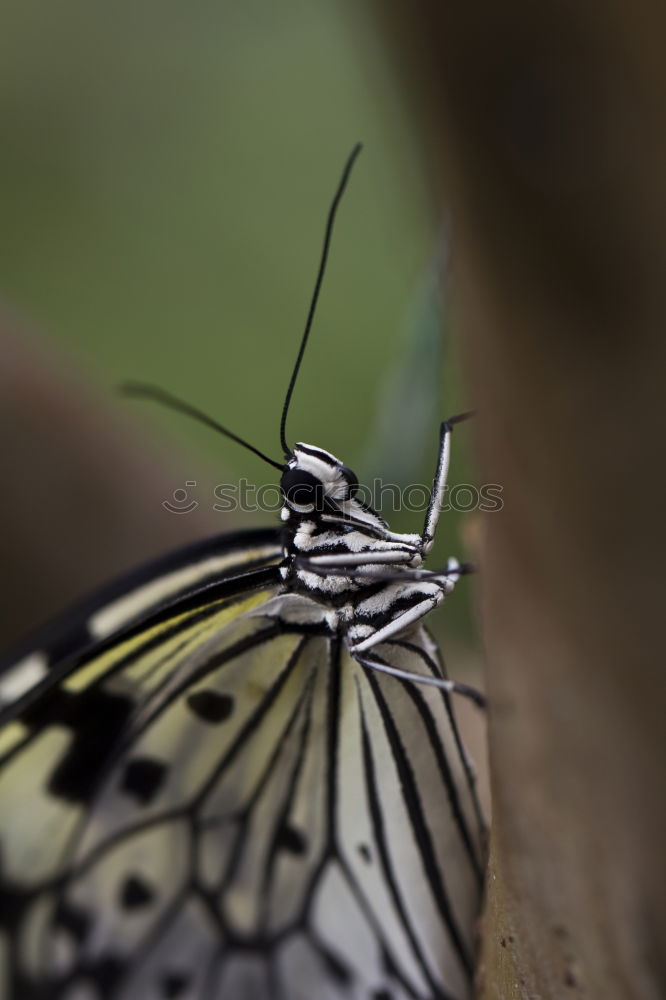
x,y
545,128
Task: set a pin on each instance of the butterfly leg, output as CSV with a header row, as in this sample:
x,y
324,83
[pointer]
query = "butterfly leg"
x,y
420,597
365,648
439,482
344,562
443,683
401,574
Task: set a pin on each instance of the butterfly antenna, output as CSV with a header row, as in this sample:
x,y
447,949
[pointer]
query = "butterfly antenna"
x,y
139,390
315,295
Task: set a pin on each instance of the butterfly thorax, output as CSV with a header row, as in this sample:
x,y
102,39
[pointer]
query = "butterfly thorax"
x,y
342,565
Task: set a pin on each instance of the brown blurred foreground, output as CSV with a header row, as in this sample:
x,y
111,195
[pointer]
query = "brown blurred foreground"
x,y
546,128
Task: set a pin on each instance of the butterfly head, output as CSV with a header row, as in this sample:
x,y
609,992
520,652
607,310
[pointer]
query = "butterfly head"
x,y
316,483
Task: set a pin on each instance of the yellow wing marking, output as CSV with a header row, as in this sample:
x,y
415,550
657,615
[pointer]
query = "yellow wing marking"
x,y
113,616
196,632
11,735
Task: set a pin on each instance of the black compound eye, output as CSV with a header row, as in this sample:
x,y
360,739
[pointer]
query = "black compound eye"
x,y
302,489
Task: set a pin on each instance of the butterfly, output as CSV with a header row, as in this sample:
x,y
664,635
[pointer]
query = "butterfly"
x,y
237,775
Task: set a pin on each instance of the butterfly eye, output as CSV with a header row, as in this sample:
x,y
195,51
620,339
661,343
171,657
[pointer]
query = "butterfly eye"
x,y
302,489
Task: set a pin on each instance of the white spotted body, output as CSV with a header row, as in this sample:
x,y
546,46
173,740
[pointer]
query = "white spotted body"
x,y
338,550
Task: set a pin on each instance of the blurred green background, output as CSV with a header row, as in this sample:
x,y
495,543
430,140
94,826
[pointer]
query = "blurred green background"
x,y
165,175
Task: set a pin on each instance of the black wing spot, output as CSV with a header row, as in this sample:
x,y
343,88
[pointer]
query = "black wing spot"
x,y
173,984
96,720
72,919
209,706
381,995
13,904
143,778
292,840
135,893
365,853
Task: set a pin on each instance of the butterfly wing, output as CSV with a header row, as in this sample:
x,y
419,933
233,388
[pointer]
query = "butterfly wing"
x,y
67,722
411,833
233,810
217,803
212,566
